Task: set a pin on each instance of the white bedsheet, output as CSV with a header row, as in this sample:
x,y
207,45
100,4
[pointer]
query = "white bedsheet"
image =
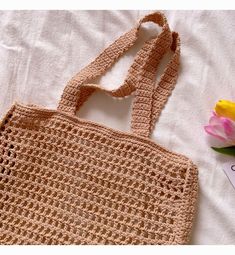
x,y
41,50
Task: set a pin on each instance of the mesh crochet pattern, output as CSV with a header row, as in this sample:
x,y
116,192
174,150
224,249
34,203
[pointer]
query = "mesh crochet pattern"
x,y
64,180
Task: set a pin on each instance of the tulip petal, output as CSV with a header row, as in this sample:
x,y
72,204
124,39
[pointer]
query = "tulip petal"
x,y
211,131
228,127
221,128
225,108
214,120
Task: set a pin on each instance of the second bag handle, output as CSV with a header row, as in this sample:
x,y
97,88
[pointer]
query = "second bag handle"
x,y
149,99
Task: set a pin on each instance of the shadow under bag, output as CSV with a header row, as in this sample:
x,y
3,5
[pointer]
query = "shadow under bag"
x,y
65,180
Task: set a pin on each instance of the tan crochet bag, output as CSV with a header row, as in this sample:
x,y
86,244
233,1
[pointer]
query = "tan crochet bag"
x,y
65,180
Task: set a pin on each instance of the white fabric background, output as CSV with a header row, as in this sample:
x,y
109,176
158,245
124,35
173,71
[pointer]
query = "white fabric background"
x,y
41,50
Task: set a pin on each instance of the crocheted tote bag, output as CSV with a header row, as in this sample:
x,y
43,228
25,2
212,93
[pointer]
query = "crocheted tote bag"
x,y
66,180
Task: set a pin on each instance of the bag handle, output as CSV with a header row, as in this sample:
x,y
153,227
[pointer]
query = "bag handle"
x,y
140,77
150,97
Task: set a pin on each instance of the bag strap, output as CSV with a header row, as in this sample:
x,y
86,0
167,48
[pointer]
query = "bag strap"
x,y
140,79
151,97
167,81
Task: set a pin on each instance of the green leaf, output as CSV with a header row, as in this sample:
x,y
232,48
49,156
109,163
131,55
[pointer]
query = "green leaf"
x,y
226,150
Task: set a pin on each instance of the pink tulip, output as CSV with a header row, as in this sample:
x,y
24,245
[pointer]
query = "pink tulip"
x,y
221,128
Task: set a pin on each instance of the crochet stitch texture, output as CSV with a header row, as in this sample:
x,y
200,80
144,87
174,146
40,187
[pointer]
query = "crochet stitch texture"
x,y
64,180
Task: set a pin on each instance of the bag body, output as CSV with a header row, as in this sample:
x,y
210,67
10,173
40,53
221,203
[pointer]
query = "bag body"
x,y
65,180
